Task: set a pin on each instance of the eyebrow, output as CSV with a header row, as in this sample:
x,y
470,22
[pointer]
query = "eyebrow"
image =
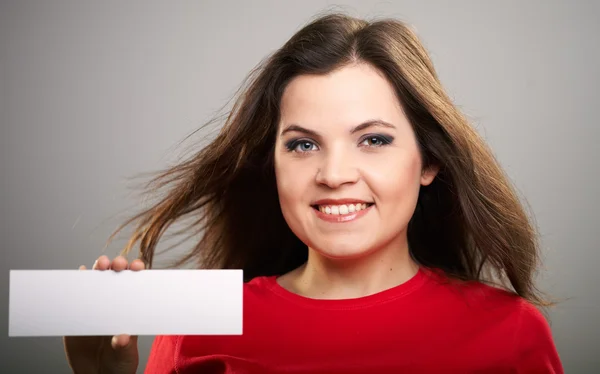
x,y
363,126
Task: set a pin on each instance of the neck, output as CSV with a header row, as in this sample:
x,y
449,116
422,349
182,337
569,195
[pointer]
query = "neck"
x,y
326,278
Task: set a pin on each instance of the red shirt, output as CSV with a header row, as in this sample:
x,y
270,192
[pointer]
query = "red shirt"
x,y
425,325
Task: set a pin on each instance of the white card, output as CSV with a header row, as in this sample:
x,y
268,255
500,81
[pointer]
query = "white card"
x,y
147,302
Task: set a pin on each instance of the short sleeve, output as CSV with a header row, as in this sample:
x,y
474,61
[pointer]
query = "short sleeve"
x,y
535,349
162,355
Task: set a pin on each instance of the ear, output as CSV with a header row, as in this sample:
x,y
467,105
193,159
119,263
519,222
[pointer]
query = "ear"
x,y
429,174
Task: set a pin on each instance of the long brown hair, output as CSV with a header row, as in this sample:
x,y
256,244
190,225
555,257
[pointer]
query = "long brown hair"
x,y
468,223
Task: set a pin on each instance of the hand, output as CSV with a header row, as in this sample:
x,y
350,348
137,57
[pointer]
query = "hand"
x,y
104,354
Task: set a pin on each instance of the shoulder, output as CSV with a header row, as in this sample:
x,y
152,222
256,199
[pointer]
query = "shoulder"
x,y
531,319
167,349
485,306
475,296
260,283
261,289
534,347
508,318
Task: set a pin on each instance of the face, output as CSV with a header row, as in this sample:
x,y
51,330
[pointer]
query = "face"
x,y
347,163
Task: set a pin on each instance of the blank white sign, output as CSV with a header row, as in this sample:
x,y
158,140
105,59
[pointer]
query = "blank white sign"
x,y
147,302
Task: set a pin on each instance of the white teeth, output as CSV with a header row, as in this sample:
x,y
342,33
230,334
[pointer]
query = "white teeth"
x,y
342,209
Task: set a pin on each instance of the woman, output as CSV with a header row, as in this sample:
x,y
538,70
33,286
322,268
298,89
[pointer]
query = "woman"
x,y
370,219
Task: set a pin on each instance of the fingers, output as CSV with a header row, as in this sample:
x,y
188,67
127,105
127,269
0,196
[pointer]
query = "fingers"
x,y
137,264
102,263
119,263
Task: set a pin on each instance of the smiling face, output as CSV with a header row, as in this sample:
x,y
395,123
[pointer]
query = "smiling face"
x,y
347,163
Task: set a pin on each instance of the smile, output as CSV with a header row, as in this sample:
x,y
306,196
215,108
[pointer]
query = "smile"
x,y
341,212
342,209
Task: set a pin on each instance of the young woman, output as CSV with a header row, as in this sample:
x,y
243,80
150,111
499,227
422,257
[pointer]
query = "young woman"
x,y
376,230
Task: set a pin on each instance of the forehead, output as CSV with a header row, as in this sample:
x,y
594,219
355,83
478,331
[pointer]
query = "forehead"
x,y
346,96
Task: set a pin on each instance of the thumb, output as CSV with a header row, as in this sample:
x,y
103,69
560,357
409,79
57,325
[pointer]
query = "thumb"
x,y
123,344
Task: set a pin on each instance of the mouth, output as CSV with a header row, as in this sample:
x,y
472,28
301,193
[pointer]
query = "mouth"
x,y
339,211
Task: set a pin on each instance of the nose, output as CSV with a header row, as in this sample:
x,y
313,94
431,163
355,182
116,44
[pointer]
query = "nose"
x,y
336,169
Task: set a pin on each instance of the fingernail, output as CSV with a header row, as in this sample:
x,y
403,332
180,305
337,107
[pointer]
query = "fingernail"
x,y
114,341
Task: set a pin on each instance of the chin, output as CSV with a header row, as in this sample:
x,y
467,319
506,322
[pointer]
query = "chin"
x,y
345,250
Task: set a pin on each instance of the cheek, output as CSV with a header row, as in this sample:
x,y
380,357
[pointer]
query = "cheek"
x,y
397,185
290,183
293,183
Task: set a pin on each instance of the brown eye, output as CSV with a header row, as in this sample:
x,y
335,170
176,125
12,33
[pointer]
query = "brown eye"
x,y
374,141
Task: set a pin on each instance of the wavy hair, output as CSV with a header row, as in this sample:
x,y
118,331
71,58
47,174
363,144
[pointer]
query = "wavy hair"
x,y
469,222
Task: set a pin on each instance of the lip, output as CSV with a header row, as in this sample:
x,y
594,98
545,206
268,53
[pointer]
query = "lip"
x,y
340,202
342,218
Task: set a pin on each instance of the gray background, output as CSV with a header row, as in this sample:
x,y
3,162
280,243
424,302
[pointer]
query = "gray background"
x,y
93,93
